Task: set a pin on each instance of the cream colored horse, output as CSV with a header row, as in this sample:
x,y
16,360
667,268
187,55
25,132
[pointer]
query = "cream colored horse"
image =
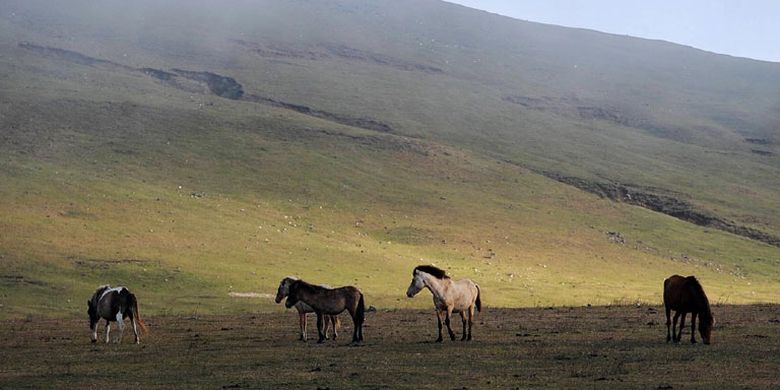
x,y
449,297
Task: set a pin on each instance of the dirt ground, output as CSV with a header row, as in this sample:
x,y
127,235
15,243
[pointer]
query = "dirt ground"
x,y
581,347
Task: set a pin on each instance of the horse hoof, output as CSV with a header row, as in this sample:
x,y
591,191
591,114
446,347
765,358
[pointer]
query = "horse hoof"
x,y
94,341
439,340
693,341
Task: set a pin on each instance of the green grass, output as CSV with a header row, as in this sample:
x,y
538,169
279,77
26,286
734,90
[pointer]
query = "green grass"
x,y
98,166
292,201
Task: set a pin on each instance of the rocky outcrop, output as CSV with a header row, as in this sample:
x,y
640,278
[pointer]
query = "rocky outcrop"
x,y
652,199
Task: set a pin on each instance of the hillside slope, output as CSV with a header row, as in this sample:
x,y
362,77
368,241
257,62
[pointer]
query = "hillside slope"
x,y
221,149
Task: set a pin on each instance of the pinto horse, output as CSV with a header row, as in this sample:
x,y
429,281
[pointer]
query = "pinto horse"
x,y
685,295
330,321
114,304
449,296
330,301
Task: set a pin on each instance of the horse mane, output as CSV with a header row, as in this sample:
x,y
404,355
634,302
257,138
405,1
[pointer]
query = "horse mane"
x,y
433,270
303,285
695,286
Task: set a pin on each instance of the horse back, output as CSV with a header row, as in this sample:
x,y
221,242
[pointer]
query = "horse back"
x,y
334,301
681,294
464,293
351,294
115,301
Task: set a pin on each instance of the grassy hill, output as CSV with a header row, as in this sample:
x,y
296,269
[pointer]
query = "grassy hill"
x,y
193,151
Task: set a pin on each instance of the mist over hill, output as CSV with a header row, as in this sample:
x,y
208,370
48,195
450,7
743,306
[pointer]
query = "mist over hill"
x,y
220,146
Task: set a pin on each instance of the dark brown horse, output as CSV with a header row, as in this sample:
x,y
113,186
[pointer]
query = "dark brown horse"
x,y
685,295
332,322
327,301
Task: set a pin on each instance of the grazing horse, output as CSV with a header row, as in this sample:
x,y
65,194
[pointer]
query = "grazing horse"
x,y
284,290
449,296
327,301
114,304
685,295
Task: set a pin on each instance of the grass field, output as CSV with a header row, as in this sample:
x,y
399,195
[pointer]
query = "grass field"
x,y
111,175
358,140
563,347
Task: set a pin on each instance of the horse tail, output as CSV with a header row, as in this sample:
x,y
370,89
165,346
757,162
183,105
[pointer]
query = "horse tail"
x,y
136,314
479,300
361,309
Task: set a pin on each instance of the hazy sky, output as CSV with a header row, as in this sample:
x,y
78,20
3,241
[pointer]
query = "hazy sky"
x,y
744,28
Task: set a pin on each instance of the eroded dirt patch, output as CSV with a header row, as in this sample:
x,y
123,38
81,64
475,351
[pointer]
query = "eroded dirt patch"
x,y
354,121
573,107
210,82
669,204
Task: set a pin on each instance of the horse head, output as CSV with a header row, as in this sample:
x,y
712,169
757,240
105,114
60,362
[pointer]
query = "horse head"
x,y
417,284
420,273
292,294
705,328
284,288
93,317
92,311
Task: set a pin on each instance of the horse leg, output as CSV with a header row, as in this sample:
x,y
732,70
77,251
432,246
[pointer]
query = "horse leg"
x,y
674,326
336,323
471,321
328,323
360,330
682,326
320,325
668,324
108,330
302,325
135,328
447,322
121,326
438,317
357,322
463,320
693,327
